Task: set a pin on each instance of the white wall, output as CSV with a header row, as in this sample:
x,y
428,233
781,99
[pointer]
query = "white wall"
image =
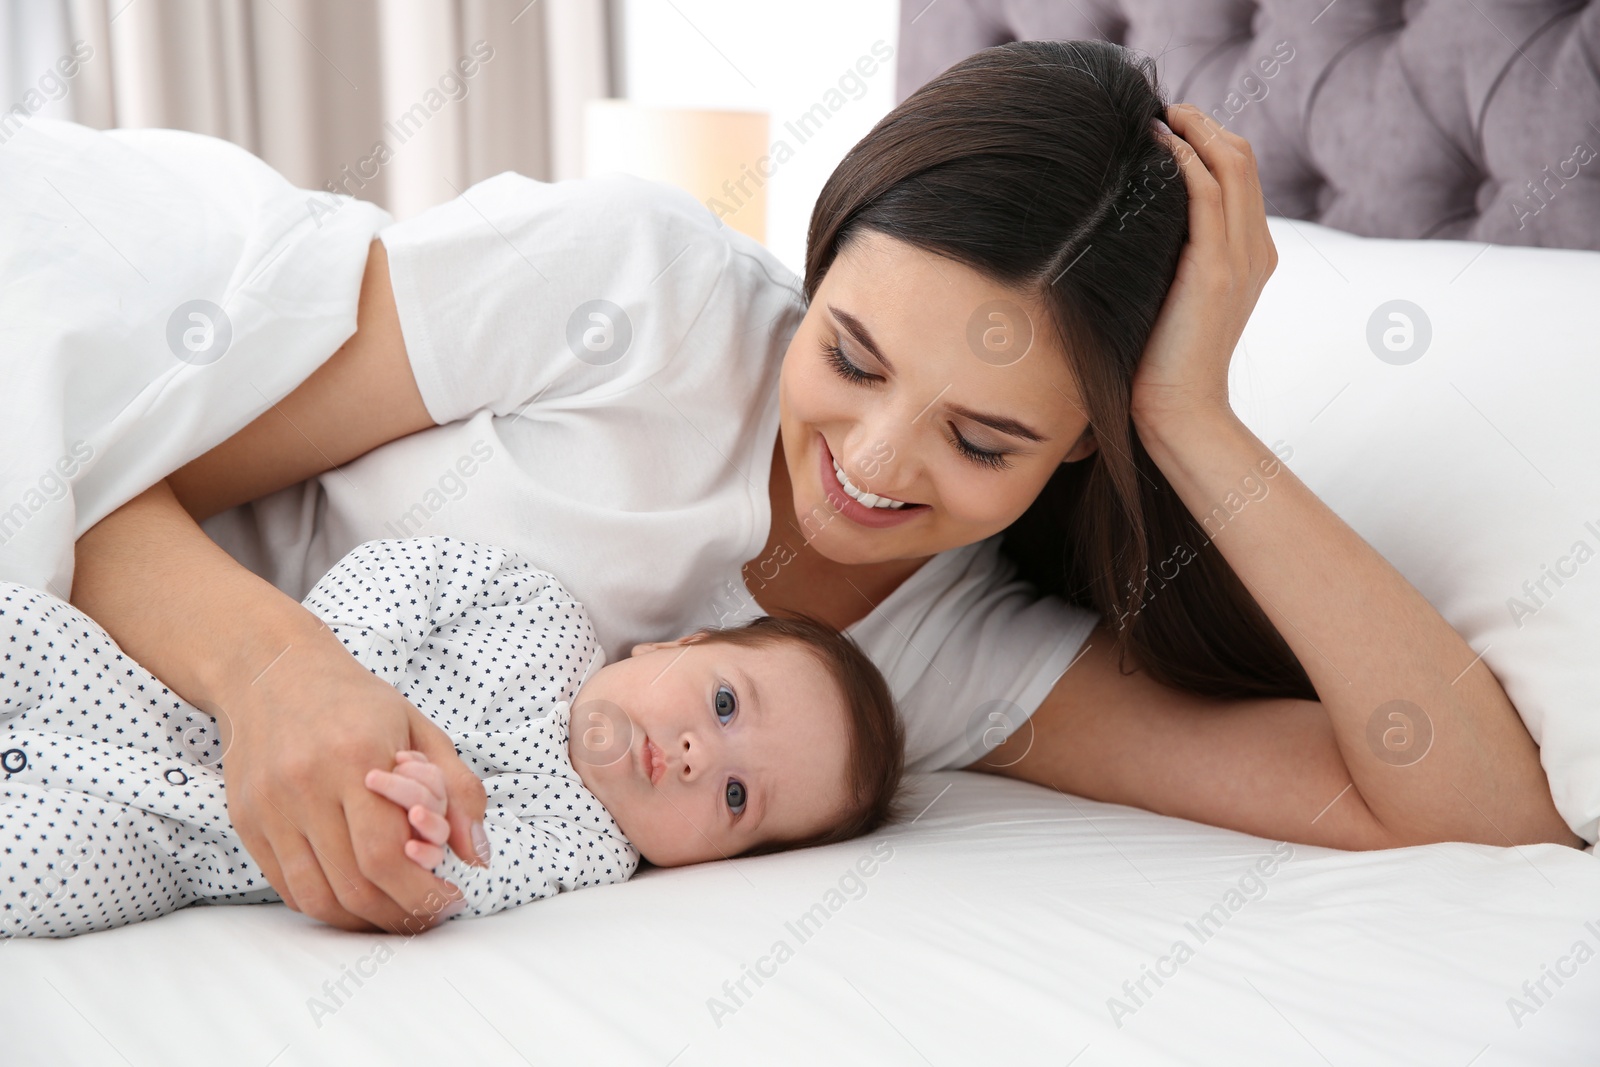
x,y
782,58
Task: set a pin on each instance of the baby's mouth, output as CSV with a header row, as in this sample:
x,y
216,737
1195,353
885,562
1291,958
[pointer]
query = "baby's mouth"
x,y
652,760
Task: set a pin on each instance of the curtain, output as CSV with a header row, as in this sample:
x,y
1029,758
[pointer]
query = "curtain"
x,y
33,37
401,102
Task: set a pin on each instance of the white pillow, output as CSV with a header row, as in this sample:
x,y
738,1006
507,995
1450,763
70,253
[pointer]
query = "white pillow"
x,y
1459,436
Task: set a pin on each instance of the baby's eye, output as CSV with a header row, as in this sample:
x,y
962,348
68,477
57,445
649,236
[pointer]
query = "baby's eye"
x,y
726,704
735,795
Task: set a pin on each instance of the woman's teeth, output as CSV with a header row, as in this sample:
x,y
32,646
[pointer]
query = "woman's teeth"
x,y
871,500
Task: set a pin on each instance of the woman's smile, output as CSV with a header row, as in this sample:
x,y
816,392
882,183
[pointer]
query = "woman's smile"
x,y
871,500
855,510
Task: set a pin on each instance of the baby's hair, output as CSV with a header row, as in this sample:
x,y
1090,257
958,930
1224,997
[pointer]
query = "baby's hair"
x,y
875,776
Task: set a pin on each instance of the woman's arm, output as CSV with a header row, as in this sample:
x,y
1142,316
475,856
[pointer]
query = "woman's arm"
x,y
1368,640
1274,768
364,396
1318,772
301,720
1266,767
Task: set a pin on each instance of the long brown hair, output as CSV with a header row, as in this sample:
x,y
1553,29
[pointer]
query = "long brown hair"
x,y
1036,164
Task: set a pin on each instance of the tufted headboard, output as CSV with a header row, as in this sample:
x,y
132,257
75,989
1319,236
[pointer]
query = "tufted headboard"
x,y
1460,119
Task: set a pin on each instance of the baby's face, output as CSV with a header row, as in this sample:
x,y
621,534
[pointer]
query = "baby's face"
x,y
703,750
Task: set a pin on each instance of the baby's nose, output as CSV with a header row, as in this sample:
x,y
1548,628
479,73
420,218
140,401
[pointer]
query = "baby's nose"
x,y
688,761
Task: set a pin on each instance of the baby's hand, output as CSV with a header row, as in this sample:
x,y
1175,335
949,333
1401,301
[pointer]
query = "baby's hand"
x,y
418,786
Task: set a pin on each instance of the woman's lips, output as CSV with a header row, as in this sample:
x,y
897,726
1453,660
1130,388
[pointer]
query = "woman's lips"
x,y
857,512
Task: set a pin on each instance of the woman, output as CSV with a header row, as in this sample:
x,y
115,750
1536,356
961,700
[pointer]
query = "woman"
x,y
1016,336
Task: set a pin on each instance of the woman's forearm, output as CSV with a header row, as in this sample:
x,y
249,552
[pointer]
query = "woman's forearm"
x,y
178,604
1388,669
301,720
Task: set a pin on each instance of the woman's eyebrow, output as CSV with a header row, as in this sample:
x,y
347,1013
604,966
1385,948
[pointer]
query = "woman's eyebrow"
x,y
998,422
858,330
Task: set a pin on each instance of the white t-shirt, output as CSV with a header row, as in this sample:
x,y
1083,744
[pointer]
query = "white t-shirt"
x,y
629,453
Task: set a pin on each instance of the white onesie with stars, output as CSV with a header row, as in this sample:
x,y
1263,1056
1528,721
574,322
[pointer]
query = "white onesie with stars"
x,y
112,806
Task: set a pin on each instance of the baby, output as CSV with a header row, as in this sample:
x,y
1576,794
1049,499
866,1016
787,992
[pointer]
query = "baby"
x,y
776,734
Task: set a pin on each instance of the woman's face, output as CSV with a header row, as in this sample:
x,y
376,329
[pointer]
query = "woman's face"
x,y
966,408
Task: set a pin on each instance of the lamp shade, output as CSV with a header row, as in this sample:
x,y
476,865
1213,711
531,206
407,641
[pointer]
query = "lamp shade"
x,y
713,154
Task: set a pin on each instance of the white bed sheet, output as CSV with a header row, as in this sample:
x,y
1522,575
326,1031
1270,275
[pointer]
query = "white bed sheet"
x,y
998,930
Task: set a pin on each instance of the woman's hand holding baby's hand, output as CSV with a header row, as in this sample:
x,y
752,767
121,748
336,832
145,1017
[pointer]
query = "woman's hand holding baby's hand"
x,y
296,739
417,786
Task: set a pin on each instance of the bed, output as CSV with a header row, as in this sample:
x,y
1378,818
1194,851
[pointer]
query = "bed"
x,y
1007,924
1012,923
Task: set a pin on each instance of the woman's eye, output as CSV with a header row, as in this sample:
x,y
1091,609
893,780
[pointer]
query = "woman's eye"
x,y
850,372
735,795
995,460
726,704
846,370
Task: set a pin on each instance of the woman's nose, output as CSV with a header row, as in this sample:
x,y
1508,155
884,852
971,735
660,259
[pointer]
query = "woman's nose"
x,y
880,444
874,463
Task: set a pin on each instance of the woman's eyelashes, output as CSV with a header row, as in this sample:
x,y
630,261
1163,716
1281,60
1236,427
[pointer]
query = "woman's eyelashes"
x,y
995,460
841,363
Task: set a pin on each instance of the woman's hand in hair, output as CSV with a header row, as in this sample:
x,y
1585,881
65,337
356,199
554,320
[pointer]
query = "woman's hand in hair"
x,y
1221,272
